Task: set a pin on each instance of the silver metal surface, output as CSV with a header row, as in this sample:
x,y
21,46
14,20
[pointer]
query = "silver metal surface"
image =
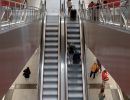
x,y
82,59
62,59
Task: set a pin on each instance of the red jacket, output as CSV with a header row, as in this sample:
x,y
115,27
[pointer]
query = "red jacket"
x,y
104,75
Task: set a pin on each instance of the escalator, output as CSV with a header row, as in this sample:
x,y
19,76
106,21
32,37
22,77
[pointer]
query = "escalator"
x,y
51,56
74,71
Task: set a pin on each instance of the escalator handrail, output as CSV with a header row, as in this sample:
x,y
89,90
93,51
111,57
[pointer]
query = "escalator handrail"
x,y
41,61
82,58
59,59
66,68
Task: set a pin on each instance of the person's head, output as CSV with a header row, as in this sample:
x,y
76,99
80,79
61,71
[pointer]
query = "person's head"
x,y
105,71
92,2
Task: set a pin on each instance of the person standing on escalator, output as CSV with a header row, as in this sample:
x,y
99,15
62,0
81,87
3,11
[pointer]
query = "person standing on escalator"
x,y
69,5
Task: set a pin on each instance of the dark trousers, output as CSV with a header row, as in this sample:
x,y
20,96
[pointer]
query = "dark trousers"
x,y
92,73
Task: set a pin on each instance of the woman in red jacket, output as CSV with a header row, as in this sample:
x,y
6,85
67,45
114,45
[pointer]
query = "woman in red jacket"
x,y
104,76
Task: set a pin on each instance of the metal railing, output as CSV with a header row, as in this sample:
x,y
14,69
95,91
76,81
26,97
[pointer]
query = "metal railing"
x,y
13,13
42,47
114,13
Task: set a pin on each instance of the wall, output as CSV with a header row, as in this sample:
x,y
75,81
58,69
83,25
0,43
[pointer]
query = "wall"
x,y
112,48
16,47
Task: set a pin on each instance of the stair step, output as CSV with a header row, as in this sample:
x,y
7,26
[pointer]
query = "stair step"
x,y
74,40
73,30
48,97
75,95
51,44
51,55
50,93
51,52
50,79
50,86
51,49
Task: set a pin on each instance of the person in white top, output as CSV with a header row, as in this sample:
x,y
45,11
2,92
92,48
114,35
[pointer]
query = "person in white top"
x,y
69,5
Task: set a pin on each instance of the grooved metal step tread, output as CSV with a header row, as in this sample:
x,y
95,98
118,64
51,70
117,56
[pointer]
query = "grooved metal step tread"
x,y
52,28
50,73
50,86
51,44
50,79
75,88
51,33
50,97
72,25
73,40
73,30
50,66
51,49
73,35
51,55
49,93
75,95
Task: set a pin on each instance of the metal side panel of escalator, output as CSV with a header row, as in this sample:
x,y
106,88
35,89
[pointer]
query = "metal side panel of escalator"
x,y
74,71
51,56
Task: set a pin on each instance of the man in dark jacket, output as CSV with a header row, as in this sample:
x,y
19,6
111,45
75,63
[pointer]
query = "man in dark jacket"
x,y
26,72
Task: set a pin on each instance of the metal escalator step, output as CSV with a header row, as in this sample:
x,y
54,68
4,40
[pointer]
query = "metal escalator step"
x,y
74,83
53,93
78,88
71,25
51,66
74,37
50,98
74,71
75,76
73,30
51,35
46,97
51,28
50,89
75,95
50,73
51,52
51,38
75,91
75,43
52,24
50,79
73,40
51,61
73,22
50,85
75,65
51,69
51,49
51,55
51,44
50,76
